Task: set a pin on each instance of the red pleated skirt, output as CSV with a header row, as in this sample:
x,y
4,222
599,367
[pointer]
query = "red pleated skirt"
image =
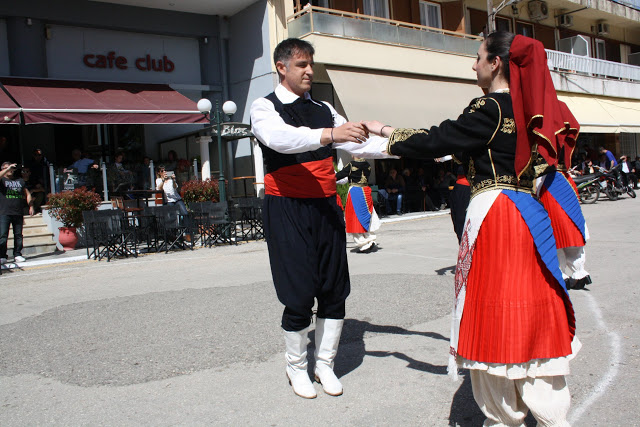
x,y
352,222
514,310
565,231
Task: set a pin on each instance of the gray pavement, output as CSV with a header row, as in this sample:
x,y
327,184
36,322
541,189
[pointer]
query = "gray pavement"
x,y
192,338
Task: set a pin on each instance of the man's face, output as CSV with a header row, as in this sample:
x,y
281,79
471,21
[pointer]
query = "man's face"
x,y
296,74
393,173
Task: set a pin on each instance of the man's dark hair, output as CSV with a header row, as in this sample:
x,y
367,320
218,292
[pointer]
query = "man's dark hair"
x,y
286,49
498,44
601,149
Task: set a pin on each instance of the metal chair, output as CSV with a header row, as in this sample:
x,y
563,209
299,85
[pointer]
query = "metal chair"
x,y
218,227
109,233
172,227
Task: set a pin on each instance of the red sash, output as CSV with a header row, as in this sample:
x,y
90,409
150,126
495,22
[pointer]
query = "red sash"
x,y
308,180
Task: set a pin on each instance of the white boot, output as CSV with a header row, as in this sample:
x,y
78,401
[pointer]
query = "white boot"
x,y
327,339
296,355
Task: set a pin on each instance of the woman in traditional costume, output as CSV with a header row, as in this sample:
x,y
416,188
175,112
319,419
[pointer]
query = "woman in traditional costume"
x,y
559,196
513,324
360,217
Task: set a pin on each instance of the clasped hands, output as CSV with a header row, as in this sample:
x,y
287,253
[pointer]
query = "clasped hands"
x,y
357,132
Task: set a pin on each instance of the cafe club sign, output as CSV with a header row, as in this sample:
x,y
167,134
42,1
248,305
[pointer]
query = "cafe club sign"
x,y
117,62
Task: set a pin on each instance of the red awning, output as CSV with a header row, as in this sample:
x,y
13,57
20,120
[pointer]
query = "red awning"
x,y
77,102
9,111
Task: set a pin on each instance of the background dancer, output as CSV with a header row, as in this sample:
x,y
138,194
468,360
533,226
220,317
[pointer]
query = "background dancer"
x,y
360,216
508,284
303,225
559,196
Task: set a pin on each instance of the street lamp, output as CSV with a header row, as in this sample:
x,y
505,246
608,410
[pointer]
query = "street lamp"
x,y
228,108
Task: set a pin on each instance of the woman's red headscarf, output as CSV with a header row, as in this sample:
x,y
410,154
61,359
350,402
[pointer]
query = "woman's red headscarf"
x,y
536,108
569,135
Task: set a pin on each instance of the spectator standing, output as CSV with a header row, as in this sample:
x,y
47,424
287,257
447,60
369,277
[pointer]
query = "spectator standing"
x,y
13,193
628,170
609,159
39,167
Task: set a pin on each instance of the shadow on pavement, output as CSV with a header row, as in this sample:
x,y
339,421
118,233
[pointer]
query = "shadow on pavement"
x,y
352,348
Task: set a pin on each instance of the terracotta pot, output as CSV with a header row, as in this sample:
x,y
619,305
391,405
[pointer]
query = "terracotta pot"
x,y
68,238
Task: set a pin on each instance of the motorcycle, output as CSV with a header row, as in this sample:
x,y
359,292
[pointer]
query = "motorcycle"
x,y
588,187
611,182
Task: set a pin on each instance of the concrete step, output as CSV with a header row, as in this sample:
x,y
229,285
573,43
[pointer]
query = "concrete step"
x,y
37,239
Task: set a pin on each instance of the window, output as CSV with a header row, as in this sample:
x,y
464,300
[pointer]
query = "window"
x,y
503,24
601,52
524,29
379,8
300,4
430,14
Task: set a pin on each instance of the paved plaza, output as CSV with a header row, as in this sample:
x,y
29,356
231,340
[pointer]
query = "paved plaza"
x,y
193,338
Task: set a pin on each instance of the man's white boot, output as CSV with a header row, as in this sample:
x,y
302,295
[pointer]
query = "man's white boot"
x,y
327,339
296,355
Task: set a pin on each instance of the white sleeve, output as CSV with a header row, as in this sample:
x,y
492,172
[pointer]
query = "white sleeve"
x,y
373,148
272,131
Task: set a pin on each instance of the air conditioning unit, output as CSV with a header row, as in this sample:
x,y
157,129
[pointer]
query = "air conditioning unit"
x,y
602,29
538,10
565,21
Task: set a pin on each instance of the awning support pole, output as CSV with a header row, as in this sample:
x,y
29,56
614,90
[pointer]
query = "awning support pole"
x,y
52,177
204,156
152,174
105,189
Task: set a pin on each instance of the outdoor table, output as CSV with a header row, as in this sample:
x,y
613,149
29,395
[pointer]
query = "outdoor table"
x,y
138,195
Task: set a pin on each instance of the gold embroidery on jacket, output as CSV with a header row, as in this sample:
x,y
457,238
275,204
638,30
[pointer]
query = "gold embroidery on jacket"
x,y
508,125
476,106
400,135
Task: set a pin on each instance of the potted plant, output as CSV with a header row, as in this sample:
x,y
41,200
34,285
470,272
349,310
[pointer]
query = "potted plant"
x,y
67,207
196,190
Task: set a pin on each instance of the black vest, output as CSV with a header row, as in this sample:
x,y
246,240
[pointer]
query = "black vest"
x,y
302,112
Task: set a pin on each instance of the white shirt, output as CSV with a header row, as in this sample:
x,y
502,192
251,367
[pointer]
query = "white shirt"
x,y
625,167
269,127
169,190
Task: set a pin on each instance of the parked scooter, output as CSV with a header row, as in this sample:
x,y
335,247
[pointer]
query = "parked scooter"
x,y
612,185
588,187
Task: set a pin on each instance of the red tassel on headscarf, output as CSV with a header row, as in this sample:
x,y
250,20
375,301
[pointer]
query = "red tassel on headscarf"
x,y
536,107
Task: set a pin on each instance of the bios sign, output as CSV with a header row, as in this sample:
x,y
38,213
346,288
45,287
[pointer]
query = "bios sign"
x,y
113,61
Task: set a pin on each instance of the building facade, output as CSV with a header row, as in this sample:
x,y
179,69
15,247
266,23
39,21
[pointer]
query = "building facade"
x,y
405,62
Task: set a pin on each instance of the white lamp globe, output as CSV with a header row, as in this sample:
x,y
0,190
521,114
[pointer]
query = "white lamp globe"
x,y
204,105
229,107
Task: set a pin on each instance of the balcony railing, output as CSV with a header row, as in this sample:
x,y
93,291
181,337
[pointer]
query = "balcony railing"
x,y
561,61
317,20
631,3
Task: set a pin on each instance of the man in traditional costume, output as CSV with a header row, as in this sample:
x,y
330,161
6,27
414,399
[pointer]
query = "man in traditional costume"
x,y
303,225
360,216
513,323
